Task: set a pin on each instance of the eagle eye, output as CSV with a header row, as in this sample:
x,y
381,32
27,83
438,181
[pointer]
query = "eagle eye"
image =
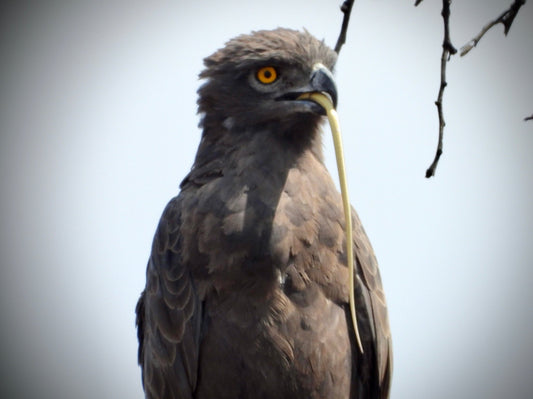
x,y
266,75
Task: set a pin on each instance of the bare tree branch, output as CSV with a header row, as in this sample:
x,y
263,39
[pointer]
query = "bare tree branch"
x,y
447,50
346,8
506,19
529,118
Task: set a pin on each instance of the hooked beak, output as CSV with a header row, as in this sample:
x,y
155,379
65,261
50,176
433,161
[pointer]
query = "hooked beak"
x,y
321,80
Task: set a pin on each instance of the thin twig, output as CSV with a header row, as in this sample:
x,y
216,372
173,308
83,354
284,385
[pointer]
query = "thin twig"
x,y
417,2
529,118
346,8
506,19
447,50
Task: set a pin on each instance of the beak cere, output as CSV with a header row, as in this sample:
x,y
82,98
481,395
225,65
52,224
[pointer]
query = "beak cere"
x,y
322,81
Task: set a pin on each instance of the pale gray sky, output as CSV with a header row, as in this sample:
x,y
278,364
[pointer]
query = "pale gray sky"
x,y
98,126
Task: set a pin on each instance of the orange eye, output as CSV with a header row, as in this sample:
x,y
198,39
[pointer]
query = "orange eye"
x,y
267,75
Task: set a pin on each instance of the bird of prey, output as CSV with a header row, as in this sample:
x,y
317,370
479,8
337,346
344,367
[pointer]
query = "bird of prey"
x,y
247,286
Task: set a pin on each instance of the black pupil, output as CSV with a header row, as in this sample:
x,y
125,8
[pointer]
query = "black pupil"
x,y
267,74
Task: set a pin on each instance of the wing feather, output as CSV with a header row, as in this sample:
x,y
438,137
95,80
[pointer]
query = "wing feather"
x,y
370,289
169,315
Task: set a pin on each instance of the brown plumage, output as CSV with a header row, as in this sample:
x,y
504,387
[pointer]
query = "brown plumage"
x,y
247,284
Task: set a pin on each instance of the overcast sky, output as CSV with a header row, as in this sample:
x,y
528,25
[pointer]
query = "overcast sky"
x,y
98,126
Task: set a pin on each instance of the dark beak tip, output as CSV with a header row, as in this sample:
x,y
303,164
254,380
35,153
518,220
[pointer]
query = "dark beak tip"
x,y
322,81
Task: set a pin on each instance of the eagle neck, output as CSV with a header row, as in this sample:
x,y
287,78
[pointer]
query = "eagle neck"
x,y
266,143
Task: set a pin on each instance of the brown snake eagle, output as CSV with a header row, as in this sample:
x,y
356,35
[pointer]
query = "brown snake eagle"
x,y
247,286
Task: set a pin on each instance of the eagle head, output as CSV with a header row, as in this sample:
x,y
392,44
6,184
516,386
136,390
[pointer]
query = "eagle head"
x,y
257,79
